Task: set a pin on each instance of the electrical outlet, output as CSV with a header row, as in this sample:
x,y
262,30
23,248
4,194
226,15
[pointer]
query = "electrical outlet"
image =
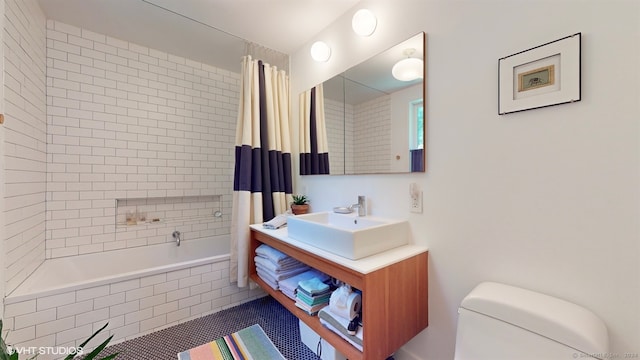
x,y
416,203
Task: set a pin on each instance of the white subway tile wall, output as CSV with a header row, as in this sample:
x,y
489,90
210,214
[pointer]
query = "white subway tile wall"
x,y
349,134
372,136
335,123
366,130
95,125
129,122
25,140
132,307
339,120
93,122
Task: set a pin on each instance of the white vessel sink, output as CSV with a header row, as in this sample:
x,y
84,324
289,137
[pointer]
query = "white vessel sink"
x,y
348,235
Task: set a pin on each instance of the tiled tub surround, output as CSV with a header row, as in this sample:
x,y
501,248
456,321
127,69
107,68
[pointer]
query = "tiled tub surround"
x,y
126,127
25,140
129,122
157,286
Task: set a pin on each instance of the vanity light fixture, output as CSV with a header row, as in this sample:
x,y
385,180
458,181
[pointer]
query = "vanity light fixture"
x,y
364,22
320,51
408,69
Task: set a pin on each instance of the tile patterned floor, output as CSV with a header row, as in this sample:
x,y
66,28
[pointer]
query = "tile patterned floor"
x,y
278,323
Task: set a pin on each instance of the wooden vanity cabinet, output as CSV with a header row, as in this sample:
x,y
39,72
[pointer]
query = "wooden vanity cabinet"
x,y
394,298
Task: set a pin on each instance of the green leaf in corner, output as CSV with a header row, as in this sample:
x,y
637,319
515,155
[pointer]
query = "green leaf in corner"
x,y
4,351
91,337
95,351
99,349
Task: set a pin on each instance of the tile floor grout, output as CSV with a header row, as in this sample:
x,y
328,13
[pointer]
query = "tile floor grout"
x,y
278,323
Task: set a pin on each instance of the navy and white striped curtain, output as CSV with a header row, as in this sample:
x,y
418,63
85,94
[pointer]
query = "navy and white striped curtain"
x,y
314,147
262,183
417,160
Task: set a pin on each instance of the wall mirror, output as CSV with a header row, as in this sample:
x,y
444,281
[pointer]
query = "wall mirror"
x,y
373,118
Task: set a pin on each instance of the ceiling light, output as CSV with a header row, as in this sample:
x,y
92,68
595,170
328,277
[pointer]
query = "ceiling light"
x,y
320,51
364,22
408,69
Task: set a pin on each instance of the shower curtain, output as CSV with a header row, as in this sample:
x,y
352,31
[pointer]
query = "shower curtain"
x,y
262,183
314,147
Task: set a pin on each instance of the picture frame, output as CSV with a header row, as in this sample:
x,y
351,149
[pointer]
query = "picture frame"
x,y
545,75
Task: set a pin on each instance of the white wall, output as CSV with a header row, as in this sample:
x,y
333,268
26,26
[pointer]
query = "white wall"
x,y
545,199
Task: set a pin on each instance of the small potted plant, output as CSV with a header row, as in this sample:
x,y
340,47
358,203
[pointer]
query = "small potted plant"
x,y
300,204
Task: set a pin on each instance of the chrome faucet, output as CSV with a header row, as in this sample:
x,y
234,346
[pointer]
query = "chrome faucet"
x,y
361,205
176,235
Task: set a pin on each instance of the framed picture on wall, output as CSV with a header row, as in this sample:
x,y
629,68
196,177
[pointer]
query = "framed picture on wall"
x,y
542,76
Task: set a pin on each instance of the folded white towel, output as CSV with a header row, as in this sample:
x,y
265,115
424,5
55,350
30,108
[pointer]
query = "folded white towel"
x,y
311,310
282,265
339,325
335,330
291,295
268,280
282,275
266,275
272,254
268,264
277,222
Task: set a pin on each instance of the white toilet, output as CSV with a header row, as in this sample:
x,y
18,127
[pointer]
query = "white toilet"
x,y
498,321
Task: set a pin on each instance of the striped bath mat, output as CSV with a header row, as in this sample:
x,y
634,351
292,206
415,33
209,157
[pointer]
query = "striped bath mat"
x,y
249,343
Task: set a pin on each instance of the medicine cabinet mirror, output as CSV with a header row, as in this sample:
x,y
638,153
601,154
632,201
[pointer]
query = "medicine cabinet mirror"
x,y
374,122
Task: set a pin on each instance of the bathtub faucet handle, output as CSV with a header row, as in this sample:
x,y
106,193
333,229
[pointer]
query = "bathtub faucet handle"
x,y
176,235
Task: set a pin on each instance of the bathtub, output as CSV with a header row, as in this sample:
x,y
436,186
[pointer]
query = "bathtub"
x,y
137,290
65,274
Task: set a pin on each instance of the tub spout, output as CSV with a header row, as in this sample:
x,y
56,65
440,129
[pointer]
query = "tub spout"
x,y
176,235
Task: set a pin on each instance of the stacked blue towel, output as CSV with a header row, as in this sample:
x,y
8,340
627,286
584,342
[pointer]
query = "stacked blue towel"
x,y
274,266
289,286
312,295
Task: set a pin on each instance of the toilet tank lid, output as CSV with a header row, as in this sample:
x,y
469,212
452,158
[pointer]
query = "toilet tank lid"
x,y
554,318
